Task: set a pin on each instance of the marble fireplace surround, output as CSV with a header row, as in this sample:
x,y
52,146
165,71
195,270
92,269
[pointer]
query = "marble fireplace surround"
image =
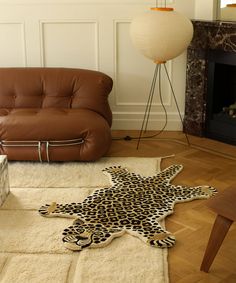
x,y
214,35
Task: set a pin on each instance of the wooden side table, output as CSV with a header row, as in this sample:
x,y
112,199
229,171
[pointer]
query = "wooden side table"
x,y
4,181
224,205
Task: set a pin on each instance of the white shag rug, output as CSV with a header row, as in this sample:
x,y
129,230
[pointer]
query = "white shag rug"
x,y
31,249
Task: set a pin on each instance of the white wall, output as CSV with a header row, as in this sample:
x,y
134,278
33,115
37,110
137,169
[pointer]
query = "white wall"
x,y
205,10
93,34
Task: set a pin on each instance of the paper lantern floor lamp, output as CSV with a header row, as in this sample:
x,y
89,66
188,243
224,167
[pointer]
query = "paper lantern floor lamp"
x,y
160,34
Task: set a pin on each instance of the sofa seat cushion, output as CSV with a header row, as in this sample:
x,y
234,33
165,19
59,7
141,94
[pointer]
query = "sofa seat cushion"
x,y
54,124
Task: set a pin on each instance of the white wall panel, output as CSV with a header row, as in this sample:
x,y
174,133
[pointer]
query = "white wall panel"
x,y
133,81
70,44
12,44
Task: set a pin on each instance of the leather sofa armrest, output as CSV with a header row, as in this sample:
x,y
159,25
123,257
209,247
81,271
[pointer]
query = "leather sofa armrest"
x,y
91,92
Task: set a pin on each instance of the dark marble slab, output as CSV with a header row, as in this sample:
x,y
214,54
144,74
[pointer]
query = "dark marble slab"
x,y
215,35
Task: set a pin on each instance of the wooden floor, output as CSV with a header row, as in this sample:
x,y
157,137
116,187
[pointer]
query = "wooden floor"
x,y
206,162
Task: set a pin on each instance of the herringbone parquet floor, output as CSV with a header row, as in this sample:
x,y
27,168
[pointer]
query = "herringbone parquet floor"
x,y
206,162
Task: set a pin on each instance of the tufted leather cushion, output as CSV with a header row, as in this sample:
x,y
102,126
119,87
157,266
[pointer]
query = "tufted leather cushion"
x,y
55,87
54,104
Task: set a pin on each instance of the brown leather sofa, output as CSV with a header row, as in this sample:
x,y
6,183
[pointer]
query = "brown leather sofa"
x,y
54,114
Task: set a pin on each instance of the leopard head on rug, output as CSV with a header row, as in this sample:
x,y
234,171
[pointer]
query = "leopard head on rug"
x,y
132,204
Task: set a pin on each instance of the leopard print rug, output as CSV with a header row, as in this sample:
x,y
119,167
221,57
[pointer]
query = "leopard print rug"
x,y
133,204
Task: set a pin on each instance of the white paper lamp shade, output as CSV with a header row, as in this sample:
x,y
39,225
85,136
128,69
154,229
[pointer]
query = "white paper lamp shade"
x,y
161,35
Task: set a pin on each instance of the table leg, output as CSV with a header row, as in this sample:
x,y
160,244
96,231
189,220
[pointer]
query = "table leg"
x,y
218,233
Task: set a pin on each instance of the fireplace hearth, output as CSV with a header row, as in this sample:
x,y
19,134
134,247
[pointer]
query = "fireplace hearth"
x,y
210,109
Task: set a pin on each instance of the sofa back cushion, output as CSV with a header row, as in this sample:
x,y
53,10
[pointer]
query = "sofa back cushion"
x,y
55,88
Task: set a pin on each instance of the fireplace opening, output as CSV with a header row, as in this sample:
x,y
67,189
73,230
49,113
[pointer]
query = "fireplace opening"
x,y
221,96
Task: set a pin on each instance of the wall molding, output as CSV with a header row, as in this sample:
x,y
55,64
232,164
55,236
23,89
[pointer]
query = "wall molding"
x,y
168,99
23,37
70,21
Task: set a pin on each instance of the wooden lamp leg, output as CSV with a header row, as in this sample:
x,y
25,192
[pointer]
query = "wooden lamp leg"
x,y
218,233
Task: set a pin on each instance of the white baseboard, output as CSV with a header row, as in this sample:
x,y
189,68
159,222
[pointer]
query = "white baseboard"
x,y
153,125
132,121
